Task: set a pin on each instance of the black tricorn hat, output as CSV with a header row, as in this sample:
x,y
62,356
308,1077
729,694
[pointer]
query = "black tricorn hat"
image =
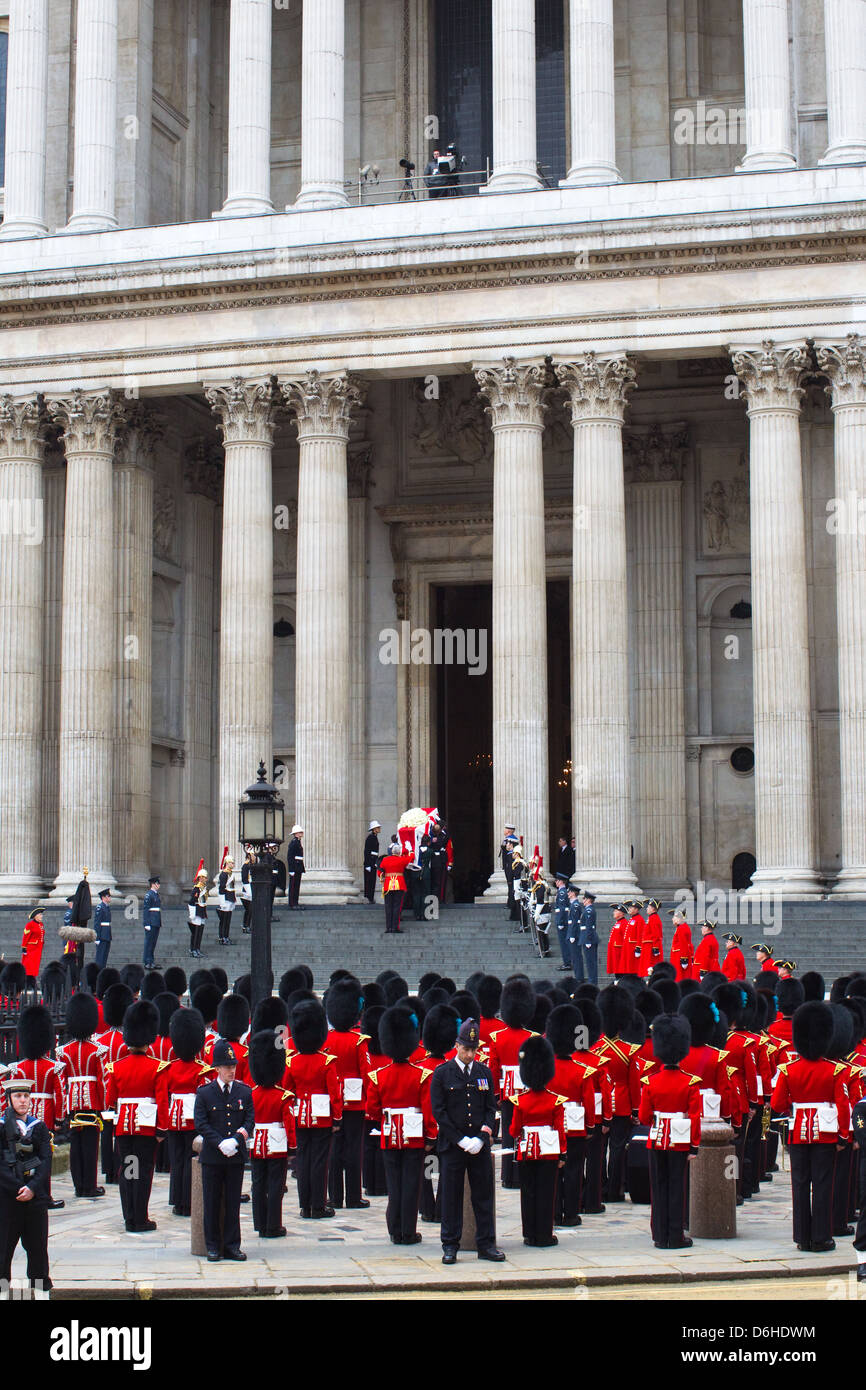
x,y
398,1033
35,1032
395,989
439,1033
165,1004
115,1002
233,1017
561,1030
370,1020
152,984
175,980
187,1033
207,1000
813,1030
672,1038
290,980
489,994
670,994
82,1016
537,1063
343,1003
270,1012
517,1004
790,995
309,1026
140,1024
267,1060
702,1015
616,1006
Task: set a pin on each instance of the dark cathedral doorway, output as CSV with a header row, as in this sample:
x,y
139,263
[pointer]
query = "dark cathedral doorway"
x,y
463,733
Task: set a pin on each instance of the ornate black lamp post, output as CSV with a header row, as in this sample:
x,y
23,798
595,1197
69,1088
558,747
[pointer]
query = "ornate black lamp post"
x,y
260,825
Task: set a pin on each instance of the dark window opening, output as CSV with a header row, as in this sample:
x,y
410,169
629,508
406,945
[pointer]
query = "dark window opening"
x,y
743,760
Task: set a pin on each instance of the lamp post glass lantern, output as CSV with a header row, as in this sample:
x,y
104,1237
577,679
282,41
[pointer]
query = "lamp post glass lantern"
x,y
261,816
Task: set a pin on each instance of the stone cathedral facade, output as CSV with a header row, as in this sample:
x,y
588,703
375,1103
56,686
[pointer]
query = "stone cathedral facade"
x,y
599,419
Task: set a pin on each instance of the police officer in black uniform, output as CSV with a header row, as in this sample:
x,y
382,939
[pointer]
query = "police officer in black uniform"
x,y
464,1108
224,1118
25,1170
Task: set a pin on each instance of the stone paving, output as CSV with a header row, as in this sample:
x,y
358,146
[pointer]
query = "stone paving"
x,y
93,1257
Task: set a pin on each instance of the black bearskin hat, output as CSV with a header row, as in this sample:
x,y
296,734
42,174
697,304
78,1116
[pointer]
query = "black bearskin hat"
x,y
140,1024
649,1005
439,1033
385,975
339,974
732,1000
415,1006
473,981
398,1033
767,981
616,1006
91,975
290,980
82,1017
107,976
13,977
270,1012
175,980
669,993
563,1023
765,1010
309,1026
813,984
446,982
233,1017
374,995
220,978
489,992
688,987
585,991
395,989
431,997
115,1002
839,987
343,1003
132,975
517,1004
370,1020
35,1032
703,1015
813,1030
307,974
207,1000
857,987
543,986
635,1030
632,984
53,982
152,985
672,1038
198,978
843,1032
857,1008
711,980
267,1060
543,1007
428,980
791,995
591,1022
165,1004
662,970
243,986
187,1032
466,1004
537,1063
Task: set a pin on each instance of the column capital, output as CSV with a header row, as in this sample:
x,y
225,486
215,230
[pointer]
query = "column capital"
x,y
845,365
22,428
598,386
515,392
772,375
245,409
203,469
323,405
137,434
90,420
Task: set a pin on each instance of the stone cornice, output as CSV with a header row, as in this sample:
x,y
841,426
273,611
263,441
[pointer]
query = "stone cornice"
x,y
424,516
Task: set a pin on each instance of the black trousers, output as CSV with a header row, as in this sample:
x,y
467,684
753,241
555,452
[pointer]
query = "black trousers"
x,y
225,922
404,1169
509,1175
180,1169
812,1192
393,908
453,1164
248,912
151,936
570,1185
841,1189
621,1127
136,1155
374,1168
752,1155
218,1181
668,1171
108,1157
369,884
859,1181
294,889
311,1167
83,1159
347,1156
27,1222
537,1198
268,1181
594,1170
76,964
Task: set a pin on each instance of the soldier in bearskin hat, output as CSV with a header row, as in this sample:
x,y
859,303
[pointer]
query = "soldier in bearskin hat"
x,y
312,1077
670,1104
398,1102
538,1128
503,1057
621,1060
344,1002
274,1133
232,1022
131,1091
115,1002
80,1062
573,1081
177,1088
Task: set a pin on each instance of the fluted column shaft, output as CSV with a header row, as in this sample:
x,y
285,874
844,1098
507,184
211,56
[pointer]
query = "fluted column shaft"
x,y
845,50
515,160
133,591
246,672
322,105
597,387
203,485
784,830
768,85
845,365
322,407
26,120
519,638
21,560
90,422
54,489
249,154
591,74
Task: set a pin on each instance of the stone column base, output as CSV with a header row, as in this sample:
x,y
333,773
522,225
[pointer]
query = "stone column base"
x,y
851,883
20,888
497,889
785,883
583,175
329,887
608,885
65,885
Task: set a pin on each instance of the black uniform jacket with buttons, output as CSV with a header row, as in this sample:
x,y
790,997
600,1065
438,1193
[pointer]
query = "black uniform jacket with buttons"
x,y
218,1116
462,1102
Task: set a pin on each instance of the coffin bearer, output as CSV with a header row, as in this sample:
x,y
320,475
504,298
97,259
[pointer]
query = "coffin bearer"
x,y
25,1169
371,860
223,1116
392,871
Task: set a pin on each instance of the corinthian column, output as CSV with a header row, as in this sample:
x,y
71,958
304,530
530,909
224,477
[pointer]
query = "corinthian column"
x,y
322,105
515,160
323,407
519,640
845,50
845,365
95,117
784,830
90,421
133,591
592,87
598,387
21,559
245,410
249,158
768,85
26,120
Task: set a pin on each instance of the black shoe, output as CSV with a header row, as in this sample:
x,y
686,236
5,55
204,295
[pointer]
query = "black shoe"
x,y
685,1244
147,1226
273,1235
564,968
319,1213
492,1252
100,1192
180,1211
568,1224
594,1211
234,1252
861,1274
55,1205
449,1257
414,1239
660,1245
214,1256
846,1231
245,1197
306,1213
807,1248
823,1246
357,1206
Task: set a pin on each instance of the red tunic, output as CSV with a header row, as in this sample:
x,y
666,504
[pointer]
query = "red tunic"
x,y
683,952
706,955
629,956
274,1119
601,1082
615,943
708,1064
652,944
82,1075
538,1125
32,943
131,1089
670,1104
111,1045
573,1081
314,1082
769,964
162,1049
176,1081
814,1093
398,1102
734,965
624,1067
391,872
504,1058
46,1099
353,1065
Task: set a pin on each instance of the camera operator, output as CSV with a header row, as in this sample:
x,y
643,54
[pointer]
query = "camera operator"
x,y
450,164
433,180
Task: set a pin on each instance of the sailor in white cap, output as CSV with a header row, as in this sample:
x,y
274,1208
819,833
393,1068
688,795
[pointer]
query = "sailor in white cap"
x,y
295,864
371,860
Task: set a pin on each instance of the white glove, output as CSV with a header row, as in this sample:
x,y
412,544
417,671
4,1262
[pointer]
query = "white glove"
x,y
229,1147
466,1145
475,1146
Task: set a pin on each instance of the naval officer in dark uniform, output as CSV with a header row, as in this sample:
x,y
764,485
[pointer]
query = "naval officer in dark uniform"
x,y
223,1116
464,1107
